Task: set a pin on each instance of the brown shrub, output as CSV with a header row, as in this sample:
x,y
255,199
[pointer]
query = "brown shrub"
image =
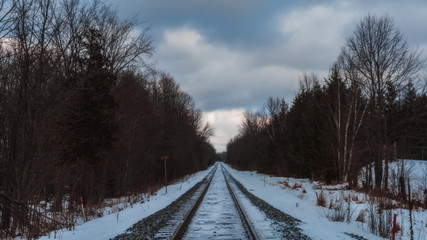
x,y
334,182
320,199
385,203
361,216
296,186
355,198
285,184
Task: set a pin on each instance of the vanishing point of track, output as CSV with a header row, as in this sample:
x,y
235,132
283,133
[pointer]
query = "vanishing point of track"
x,y
216,214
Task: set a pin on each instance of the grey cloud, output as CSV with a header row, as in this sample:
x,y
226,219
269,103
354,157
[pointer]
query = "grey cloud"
x,y
237,53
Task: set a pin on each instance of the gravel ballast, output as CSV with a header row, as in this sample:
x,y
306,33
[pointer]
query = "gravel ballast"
x,y
282,222
148,227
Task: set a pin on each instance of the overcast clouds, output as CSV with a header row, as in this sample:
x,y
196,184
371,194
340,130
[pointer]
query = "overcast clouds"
x,y
231,55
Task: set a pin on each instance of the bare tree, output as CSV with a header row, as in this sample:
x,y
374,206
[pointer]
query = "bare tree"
x,y
379,54
348,114
6,20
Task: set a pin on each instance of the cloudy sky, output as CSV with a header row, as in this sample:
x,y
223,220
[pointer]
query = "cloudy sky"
x,y
230,55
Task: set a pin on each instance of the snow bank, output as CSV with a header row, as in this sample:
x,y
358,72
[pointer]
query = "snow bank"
x,y
415,170
292,200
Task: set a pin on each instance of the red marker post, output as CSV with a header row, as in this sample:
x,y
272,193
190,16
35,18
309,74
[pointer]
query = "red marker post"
x,y
394,227
83,209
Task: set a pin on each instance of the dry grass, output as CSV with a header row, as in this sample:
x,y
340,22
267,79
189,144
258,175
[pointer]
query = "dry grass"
x,y
320,199
284,183
339,210
296,186
152,189
355,198
331,202
334,182
361,216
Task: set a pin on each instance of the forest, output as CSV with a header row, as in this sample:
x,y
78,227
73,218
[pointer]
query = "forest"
x,y
83,113
370,110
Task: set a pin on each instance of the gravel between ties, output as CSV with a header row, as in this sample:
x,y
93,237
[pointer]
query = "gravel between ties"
x,y
284,223
148,227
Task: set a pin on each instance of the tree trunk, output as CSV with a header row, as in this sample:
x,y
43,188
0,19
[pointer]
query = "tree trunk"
x,y
386,166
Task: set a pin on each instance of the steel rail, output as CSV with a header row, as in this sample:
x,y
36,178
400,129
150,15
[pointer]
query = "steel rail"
x,y
182,227
179,231
239,207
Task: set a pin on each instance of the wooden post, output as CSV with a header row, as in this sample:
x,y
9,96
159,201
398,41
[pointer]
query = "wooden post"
x,y
83,209
166,177
264,180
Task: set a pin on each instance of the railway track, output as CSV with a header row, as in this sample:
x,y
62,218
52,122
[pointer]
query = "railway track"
x,y
212,209
216,214
180,219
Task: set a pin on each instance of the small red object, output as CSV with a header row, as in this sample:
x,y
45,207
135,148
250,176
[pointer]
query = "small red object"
x,y
394,227
81,201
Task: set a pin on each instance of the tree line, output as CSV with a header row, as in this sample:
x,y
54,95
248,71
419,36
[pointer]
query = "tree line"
x,y
370,110
82,113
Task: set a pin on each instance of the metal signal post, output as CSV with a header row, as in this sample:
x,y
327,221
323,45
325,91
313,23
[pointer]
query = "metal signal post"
x,y
166,176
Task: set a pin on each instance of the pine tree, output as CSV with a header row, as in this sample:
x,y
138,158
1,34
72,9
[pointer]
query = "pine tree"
x,y
91,125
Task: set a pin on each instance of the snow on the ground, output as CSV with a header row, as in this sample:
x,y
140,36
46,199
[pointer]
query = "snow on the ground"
x,y
415,170
114,224
272,190
303,206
